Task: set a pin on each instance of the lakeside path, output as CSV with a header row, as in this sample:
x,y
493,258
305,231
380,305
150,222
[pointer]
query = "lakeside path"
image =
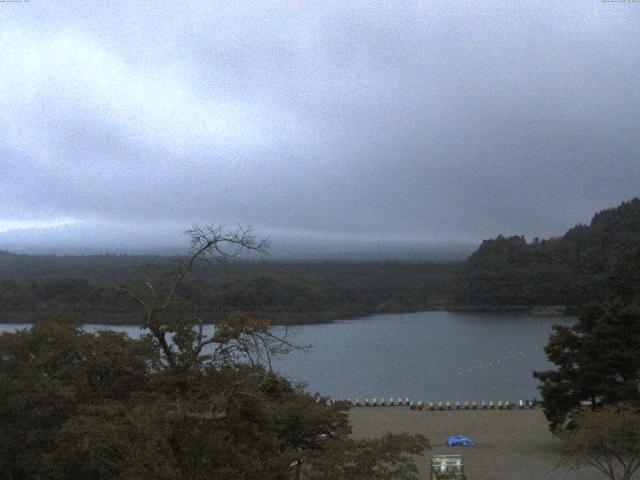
x,y
510,444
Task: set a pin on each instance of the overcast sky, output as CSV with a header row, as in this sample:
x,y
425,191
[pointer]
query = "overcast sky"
x,y
392,120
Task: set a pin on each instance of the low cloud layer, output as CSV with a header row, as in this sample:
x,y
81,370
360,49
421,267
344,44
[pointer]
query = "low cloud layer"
x,y
390,120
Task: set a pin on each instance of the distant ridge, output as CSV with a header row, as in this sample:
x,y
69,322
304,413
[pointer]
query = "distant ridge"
x,y
100,239
96,238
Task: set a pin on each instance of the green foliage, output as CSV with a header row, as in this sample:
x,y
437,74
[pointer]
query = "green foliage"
x,y
572,270
177,404
283,292
53,373
380,459
78,405
597,360
608,440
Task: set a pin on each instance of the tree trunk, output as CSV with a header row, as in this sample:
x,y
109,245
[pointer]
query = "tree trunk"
x,y
298,472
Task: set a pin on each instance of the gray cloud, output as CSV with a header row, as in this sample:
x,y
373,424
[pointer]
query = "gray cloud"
x,y
386,120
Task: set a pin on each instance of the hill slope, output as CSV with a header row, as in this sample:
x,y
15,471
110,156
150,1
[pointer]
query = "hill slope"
x,y
571,270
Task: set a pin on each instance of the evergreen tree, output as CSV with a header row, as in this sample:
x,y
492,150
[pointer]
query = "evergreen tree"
x,y
597,360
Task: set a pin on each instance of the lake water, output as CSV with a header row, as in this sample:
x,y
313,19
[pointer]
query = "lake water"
x,y
433,356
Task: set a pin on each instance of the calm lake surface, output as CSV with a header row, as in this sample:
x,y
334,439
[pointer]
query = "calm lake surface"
x,y
433,356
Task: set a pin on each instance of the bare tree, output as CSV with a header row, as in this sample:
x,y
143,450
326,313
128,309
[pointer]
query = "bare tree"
x,y
178,327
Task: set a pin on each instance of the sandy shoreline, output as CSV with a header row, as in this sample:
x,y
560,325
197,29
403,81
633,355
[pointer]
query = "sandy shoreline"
x,y
511,444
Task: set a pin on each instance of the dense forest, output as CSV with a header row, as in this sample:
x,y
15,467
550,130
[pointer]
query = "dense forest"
x,y
284,292
504,273
571,270
178,402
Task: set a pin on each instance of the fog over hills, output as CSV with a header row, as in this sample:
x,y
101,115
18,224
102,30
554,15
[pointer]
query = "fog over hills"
x,y
347,121
90,239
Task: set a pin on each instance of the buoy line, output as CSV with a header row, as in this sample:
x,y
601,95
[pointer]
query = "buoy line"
x,y
497,361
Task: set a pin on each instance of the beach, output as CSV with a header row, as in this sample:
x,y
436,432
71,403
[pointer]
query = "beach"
x,y
510,444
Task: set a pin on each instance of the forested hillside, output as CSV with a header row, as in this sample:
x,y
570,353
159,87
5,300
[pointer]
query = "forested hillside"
x,y
284,292
503,273
571,270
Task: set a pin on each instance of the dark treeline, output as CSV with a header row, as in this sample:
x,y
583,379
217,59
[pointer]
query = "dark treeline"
x,y
571,270
284,292
504,273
